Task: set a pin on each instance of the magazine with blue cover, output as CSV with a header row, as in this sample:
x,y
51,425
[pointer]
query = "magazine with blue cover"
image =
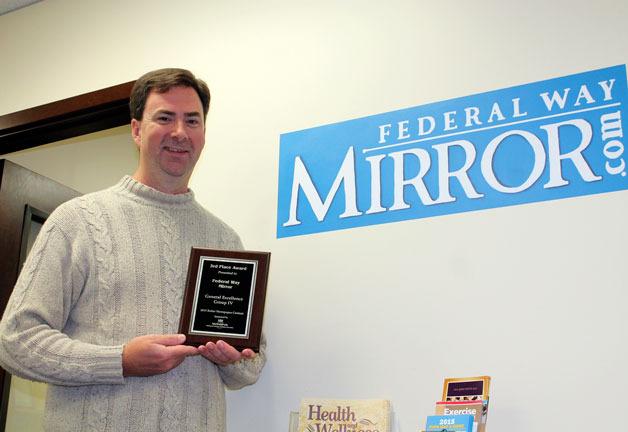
x,y
449,423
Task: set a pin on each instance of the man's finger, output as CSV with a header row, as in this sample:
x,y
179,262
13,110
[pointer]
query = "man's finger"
x,y
183,350
213,354
227,351
215,350
168,339
248,353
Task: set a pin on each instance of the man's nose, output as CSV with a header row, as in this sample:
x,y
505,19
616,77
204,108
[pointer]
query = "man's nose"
x,y
178,130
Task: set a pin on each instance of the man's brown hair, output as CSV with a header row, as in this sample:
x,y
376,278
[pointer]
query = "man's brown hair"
x,y
162,80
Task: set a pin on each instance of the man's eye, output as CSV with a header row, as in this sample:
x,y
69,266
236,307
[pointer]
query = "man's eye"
x,y
163,119
194,122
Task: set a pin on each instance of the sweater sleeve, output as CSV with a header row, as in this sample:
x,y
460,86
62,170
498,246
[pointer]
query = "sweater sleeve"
x,y
32,342
246,371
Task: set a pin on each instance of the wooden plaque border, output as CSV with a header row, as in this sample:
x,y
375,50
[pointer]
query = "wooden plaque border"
x,y
259,297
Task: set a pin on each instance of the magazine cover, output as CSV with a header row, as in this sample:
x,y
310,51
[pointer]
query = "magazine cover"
x,y
344,415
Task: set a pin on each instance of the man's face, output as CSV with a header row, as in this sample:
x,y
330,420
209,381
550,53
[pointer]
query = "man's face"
x,y
170,137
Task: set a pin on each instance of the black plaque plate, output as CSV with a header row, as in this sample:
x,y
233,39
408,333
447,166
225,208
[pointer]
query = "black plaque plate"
x,y
224,297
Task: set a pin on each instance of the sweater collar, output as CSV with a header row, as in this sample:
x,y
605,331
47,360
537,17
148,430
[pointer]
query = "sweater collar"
x,y
131,187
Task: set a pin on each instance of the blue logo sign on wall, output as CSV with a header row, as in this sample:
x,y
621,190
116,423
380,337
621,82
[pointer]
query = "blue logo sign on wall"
x,y
547,140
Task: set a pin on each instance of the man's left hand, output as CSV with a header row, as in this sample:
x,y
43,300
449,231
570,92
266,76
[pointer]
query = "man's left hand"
x,y
223,354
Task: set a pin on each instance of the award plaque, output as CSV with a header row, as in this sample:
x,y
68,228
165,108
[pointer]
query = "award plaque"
x,y
224,297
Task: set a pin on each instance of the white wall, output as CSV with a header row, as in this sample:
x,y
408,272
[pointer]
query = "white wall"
x,y
86,163
532,295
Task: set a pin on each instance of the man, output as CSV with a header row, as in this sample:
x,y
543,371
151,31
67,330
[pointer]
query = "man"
x,y
96,308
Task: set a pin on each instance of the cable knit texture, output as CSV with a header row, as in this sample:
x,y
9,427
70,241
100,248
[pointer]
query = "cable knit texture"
x,y
107,267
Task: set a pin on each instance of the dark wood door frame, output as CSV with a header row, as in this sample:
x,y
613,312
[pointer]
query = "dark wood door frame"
x,y
67,118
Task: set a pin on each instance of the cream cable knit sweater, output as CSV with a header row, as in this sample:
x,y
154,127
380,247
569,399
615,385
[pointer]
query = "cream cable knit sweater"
x,y
107,267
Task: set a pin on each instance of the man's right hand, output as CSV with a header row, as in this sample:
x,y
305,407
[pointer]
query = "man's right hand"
x,y
154,354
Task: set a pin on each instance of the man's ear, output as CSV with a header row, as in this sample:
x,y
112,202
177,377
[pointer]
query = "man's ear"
x,y
136,131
